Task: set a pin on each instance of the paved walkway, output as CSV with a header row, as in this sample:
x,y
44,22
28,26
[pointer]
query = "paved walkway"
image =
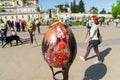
x,y
25,62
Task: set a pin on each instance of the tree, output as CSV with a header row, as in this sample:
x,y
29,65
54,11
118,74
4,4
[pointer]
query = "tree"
x,y
81,6
71,7
109,13
38,9
2,10
77,8
74,7
63,7
94,10
118,1
103,11
116,9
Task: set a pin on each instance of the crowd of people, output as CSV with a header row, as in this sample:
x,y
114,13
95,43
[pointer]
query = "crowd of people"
x,y
15,26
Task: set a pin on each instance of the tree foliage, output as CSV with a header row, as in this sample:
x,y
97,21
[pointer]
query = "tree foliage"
x,y
94,10
76,8
71,7
38,9
116,10
118,1
81,6
103,11
63,7
2,10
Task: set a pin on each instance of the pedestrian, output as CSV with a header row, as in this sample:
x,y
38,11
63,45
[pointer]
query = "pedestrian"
x,y
17,25
3,31
22,25
92,40
38,23
12,31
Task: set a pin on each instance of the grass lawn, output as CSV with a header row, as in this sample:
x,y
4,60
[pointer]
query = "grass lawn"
x,y
77,23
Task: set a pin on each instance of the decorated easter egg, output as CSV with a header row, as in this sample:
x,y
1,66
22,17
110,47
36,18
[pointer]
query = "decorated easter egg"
x,y
59,45
31,26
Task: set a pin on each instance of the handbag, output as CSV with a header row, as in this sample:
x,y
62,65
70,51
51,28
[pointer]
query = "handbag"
x,y
100,39
99,36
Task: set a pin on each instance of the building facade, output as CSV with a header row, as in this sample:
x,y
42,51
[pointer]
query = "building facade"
x,y
19,9
18,2
26,9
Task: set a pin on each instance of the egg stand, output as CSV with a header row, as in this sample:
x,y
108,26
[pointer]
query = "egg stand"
x,y
35,39
64,71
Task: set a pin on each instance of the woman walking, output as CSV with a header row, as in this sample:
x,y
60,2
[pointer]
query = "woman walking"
x,y
93,41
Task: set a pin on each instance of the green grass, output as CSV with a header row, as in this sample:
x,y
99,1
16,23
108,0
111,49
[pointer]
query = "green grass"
x,y
77,23
45,24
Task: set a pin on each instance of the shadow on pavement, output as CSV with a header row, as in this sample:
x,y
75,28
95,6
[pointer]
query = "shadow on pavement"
x,y
102,53
105,53
26,41
95,72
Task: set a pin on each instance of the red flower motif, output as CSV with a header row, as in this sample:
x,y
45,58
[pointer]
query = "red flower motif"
x,y
62,46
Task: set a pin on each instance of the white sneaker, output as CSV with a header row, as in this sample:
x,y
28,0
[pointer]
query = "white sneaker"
x,y
97,62
82,58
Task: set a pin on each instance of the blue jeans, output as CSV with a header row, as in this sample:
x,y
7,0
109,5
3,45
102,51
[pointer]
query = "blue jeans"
x,y
2,37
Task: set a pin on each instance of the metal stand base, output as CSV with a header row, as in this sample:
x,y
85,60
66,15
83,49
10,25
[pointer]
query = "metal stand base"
x,y
64,71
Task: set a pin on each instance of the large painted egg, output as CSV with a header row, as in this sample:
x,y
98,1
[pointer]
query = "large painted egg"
x,y
59,45
31,26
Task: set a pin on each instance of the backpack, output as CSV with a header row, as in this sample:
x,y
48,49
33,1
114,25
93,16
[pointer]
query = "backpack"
x,y
3,27
88,24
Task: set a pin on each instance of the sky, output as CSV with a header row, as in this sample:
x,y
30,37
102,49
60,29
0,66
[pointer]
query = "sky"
x,y
99,4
